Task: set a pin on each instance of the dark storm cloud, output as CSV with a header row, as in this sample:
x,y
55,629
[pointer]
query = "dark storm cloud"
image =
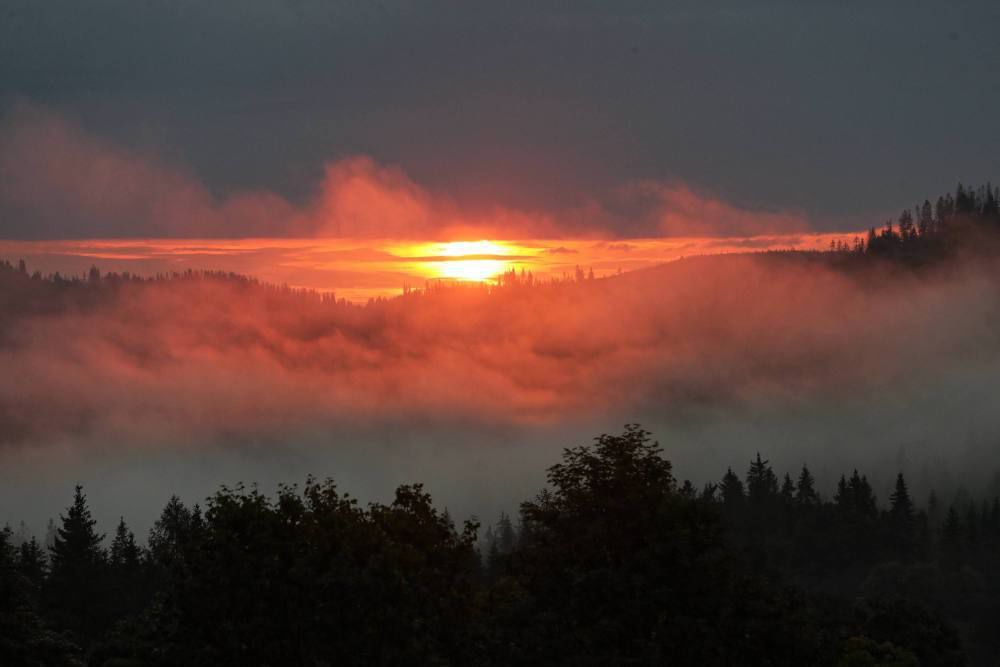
x,y
837,109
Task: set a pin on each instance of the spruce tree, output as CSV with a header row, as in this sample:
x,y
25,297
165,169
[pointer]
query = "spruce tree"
x,y
124,552
128,587
505,536
732,489
762,483
860,497
24,639
73,589
843,497
901,507
32,563
76,545
170,533
805,488
788,489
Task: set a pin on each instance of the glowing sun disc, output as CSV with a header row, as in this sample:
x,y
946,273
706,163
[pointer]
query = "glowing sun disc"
x,y
476,270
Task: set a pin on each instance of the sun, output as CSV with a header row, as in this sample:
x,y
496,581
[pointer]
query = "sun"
x,y
467,261
475,270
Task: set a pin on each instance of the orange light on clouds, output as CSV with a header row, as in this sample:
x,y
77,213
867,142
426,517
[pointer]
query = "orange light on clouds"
x,y
470,261
358,269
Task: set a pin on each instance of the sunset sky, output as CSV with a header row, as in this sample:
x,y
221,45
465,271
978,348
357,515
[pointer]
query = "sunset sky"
x,y
358,269
478,121
362,147
499,332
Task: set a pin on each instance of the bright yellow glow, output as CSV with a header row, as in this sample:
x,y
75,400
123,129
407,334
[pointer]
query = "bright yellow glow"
x,y
462,248
471,269
474,261
361,268
481,264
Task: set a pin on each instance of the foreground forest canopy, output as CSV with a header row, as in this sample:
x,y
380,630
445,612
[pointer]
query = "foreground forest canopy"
x,y
615,562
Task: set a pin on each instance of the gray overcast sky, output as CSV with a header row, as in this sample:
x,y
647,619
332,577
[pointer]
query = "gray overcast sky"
x,y
839,110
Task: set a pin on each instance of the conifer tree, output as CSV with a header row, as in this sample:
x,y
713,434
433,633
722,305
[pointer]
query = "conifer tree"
x,y
128,587
788,489
32,563
732,489
73,589
805,488
24,639
170,532
762,483
855,496
901,507
505,536
124,552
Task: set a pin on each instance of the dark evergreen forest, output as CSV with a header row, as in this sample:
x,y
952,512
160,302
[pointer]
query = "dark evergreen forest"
x,y
618,561
615,562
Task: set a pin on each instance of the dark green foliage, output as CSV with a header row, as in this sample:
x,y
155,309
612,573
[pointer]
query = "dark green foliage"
x,y
128,582
968,221
901,507
762,483
731,489
787,489
73,590
865,652
311,578
25,641
33,565
623,569
612,563
805,488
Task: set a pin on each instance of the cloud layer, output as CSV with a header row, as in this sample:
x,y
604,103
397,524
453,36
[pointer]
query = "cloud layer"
x,y
145,389
57,181
191,359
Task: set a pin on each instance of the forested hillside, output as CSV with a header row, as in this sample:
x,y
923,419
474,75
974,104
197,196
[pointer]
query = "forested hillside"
x,y
619,559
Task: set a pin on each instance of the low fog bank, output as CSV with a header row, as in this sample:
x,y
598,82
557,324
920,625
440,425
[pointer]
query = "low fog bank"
x,y
140,390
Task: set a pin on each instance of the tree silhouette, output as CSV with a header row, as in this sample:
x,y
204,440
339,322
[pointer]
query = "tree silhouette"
x,y
24,639
805,488
762,483
124,552
901,507
77,565
611,563
787,489
732,490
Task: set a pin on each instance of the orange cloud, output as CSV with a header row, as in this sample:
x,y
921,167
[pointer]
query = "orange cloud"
x,y
57,181
359,198
682,212
358,268
198,358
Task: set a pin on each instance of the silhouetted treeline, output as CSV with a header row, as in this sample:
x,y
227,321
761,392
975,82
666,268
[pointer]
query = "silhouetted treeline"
x,y
615,562
968,220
